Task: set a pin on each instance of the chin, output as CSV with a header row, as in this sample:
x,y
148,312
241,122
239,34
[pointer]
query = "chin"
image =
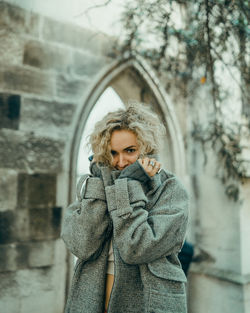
x,y
121,168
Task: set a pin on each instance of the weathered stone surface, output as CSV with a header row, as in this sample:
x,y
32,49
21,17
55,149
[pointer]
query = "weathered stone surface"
x,y
226,296
9,110
41,254
45,223
22,228
29,153
70,88
34,254
52,119
35,290
75,36
44,300
23,191
9,301
26,255
46,56
36,191
8,189
23,251
40,228
11,47
7,227
58,275
8,257
87,64
34,281
17,20
56,219
26,80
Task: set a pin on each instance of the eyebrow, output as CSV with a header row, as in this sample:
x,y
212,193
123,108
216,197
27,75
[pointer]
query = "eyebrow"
x,y
129,147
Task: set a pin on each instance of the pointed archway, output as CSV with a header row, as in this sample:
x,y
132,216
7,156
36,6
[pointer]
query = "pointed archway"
x,y
133,79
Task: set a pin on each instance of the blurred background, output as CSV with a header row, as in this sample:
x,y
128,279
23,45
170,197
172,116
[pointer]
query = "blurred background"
x,y
63,66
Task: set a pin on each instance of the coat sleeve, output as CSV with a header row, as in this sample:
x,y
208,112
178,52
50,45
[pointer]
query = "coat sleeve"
x,y
86,224
144,234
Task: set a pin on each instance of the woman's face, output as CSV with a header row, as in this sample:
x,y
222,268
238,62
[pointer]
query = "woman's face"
x,y
124,148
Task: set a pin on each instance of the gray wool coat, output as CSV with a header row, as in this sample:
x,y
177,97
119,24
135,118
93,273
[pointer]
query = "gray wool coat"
x,y
146,219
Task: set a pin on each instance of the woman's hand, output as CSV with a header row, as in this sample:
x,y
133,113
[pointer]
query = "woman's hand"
x,y
151,166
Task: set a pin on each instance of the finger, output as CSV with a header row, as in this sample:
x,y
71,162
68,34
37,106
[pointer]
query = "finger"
x,y
151,164
155,168
145,161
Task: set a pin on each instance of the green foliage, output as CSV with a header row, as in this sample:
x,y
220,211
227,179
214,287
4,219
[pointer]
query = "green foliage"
x,y
184,38
204,30
227,143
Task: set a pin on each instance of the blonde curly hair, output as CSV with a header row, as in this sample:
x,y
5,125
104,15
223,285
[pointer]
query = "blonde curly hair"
x,y
136,118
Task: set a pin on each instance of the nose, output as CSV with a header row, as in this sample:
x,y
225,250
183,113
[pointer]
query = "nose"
x,y
122,162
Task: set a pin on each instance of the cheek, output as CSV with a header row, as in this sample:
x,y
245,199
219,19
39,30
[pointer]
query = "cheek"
x,y
133,158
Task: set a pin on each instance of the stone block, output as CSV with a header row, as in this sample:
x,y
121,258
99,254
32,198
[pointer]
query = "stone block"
x,y
247,298
70,88
61,254
8,189
209,294
42,190
41,254
21,79
34,254
45,223
56,218
11,47
22,225
40,289
17,20
9,300
9,110
9,304
41,302
8,256
24,255
7,227
39,224
76,37
87,64
26,152
23,250
23,191
51,119
34,281
36,190
45,56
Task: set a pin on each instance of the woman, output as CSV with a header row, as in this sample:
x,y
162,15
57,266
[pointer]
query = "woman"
x,y
128,224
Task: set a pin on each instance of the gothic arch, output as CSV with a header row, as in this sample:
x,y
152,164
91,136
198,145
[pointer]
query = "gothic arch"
x,y
134,79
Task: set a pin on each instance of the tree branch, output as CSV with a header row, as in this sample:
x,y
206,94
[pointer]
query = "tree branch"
x,y
86,12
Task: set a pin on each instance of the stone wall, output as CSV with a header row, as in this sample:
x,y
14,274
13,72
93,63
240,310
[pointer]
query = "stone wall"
x,y
51,75
219,280
46,68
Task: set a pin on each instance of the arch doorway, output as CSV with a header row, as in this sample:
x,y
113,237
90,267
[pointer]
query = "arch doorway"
x,y
122,82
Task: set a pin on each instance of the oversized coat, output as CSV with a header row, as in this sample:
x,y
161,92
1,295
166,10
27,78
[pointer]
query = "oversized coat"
x,y
146,219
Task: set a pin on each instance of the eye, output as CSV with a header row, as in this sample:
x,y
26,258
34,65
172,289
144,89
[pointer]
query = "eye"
x,y
113,152
131,150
